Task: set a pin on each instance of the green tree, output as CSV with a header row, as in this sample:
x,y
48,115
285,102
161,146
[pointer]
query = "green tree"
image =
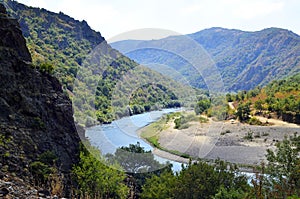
x,y
200,180
96,179
159,187
229,97
284,169
135,159
46,68
258,105
139,165
243,112
202,106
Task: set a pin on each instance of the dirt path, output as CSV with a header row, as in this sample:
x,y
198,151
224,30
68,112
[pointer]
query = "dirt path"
x,y
276,122
231,105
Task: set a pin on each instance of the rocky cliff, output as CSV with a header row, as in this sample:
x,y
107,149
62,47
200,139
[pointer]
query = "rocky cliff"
x,y
35,114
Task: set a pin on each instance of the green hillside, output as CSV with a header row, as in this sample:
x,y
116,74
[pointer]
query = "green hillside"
x,y
71,50
278,99
244,59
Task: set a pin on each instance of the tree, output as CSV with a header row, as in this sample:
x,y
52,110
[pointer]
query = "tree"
x,y
139,165
202,106
200,180
159,187
229,97
135,159
46,68
96,179
258,105
284,169
243,112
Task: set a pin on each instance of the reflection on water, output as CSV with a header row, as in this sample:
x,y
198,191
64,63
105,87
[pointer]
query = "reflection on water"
x,y
122,132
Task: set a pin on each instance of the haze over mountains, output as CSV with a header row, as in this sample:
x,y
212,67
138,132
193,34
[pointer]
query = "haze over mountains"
x,y
244,59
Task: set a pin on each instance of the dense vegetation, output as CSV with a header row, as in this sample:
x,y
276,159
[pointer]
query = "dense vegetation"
x,y
71,51
96,178
279,178
279,99
244,59
214,106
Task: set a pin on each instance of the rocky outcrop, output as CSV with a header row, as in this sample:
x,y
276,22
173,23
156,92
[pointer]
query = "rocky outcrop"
x,y
35,114
11,36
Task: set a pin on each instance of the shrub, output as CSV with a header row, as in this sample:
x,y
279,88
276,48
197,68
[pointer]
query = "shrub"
x,y
254,121
249,136
203,119
265,134
46,68
177,122
225,132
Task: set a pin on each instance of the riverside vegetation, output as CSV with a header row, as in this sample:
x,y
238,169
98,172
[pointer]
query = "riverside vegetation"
x,y
39,143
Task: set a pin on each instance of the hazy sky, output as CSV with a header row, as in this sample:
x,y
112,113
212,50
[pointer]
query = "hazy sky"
x,y
113,17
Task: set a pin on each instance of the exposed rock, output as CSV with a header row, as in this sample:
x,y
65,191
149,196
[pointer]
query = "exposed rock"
x,y
11,35
35,114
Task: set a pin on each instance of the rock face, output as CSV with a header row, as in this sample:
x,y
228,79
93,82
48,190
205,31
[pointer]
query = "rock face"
x,y
11,36
35,114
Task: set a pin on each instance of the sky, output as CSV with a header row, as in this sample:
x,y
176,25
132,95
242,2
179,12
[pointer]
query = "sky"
x,y
116,17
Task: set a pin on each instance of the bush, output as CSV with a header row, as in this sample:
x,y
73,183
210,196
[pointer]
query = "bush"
x,y
249,136
225,132
40,171
184,126
254,121
177,122
46,68
203,119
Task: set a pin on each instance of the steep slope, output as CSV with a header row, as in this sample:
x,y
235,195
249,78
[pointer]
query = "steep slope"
x,y
35,115
77,52
244,59
56,39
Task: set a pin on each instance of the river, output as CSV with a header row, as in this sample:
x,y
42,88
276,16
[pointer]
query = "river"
x,y
122,132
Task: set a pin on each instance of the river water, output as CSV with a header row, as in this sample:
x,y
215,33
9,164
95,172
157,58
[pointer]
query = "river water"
x,y
122,132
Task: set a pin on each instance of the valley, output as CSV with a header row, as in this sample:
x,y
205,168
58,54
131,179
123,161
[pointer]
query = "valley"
x,y
82,118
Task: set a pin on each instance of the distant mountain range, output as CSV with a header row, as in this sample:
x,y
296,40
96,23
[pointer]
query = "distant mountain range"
x,y
243,59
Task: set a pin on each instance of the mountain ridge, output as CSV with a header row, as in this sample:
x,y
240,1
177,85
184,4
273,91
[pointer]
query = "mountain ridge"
x,y
245,59
84,63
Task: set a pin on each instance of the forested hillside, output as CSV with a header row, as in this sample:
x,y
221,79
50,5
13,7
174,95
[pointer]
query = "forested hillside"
x,y
71,50
244,59
278,99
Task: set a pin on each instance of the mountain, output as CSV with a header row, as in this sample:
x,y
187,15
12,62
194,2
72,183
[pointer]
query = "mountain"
x,y
243,59
87,66
37,129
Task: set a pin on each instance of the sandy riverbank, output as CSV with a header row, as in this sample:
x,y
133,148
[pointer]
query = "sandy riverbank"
x,y
223,140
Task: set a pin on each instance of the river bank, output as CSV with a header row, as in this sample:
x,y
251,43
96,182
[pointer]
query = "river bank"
x,y
234,142
108,137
